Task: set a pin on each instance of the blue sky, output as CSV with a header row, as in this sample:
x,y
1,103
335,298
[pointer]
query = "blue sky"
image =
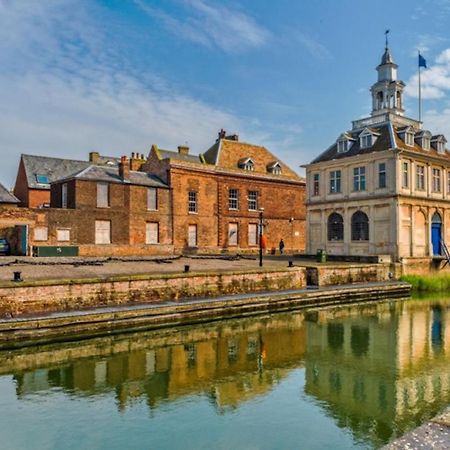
x,y
117,76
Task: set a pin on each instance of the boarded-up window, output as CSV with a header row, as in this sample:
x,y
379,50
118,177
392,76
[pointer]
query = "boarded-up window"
x,y
152,233
63,234
232,234
192,236
64,195
152,199
41,234
252,233
102,195
102,232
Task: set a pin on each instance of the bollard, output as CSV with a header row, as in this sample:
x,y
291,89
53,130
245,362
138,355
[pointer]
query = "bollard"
x,y
291,263
186,268
17,276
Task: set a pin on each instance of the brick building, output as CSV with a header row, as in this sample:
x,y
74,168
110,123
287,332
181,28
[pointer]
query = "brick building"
x,y
171,201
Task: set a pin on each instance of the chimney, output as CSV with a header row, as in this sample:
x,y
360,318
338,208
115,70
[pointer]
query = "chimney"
x,y
222,134
233,137
124,168
183,150
137,161
94,157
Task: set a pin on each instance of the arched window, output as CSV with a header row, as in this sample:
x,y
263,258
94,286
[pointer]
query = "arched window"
x,y
335,227
360,226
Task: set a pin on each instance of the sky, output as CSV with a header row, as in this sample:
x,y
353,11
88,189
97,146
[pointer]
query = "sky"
x,y
116,76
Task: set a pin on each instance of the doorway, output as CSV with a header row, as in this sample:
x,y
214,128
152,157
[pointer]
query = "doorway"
x,y
436,234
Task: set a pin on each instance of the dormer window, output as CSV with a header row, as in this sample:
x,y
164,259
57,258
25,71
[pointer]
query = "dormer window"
x,y
409,138
423,139
438,142
274,168
344,143
246,164
366,141
367,138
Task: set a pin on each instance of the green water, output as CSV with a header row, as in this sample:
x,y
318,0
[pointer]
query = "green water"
x,y
341,378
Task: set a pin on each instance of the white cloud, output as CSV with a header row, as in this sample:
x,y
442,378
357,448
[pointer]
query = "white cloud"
x,y
212,26
64,95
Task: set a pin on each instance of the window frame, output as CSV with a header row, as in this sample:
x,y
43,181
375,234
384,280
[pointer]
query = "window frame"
x,y
233,199
360,228
38,238
359,179
193,202
147,234
335,228
252,201
405,174
316,184
64,191
102,195
366,141
436,184
59,230
335,181
382,184
420,177
152,199
251,243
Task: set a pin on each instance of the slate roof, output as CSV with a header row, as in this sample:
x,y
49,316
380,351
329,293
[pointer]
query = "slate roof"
x,y
6,196
111,175
389,138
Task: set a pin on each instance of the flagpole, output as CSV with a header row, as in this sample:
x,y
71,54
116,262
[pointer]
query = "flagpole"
x,y
420,94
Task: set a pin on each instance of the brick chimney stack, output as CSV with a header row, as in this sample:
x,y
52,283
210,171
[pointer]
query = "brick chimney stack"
x,y
183,150
124,168
137,161
94,157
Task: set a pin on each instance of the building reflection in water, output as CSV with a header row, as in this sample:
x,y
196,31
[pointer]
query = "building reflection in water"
x,y
377,369
382,368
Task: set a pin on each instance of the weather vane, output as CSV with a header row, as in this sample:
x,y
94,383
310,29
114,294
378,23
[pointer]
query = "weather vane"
x,y
386,34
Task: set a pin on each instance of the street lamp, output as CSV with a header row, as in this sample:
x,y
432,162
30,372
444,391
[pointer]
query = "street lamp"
x,y
261,225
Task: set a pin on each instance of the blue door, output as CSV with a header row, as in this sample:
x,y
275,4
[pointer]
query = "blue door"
x,y
436,238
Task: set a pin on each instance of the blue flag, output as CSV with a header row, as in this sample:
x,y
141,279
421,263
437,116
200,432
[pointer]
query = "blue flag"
x,y
422,61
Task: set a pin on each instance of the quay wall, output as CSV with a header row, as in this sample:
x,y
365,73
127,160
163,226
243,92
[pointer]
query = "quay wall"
x,y
43,296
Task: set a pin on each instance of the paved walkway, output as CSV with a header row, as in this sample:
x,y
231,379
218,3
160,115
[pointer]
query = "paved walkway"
x,y
55,268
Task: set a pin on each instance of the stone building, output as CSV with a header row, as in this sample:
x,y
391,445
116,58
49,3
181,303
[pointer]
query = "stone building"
x,y
383,188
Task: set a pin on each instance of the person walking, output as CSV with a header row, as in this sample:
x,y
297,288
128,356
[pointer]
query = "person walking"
x,y
281,246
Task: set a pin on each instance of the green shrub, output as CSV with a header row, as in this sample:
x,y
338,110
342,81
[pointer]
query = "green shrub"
x,y
428,283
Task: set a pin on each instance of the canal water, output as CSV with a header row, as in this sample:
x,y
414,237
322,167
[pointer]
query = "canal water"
x,y
352,377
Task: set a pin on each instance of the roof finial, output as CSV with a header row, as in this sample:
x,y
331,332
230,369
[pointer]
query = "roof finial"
x,y
387,42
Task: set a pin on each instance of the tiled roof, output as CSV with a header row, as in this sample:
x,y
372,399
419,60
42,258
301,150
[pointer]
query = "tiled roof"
x,y
111,175
168,154
6,196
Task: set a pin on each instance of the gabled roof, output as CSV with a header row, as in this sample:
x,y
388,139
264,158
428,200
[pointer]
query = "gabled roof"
x,y
169,154
111,175
6,196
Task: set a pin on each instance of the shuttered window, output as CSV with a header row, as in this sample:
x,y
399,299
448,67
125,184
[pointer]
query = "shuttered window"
x,y
102,232
252,233
152,199
64,195
152,233
102,195
41,234
232,234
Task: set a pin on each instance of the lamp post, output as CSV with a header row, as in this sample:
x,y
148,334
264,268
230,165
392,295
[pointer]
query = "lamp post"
x,y
261,225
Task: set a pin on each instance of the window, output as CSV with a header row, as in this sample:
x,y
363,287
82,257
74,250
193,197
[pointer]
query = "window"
x,y
440,146
409,138
192,202
64,195
103,232
152,233
249,166
42,179
152,199
448,182
426,143
405,175
192,236
359,179
342,146
335,182
436,181
41,234
233,199
252,234
382,175
366,141
252,200
360,226
63,235
316,184
420,178
232,234
335,227
102,195
275,169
